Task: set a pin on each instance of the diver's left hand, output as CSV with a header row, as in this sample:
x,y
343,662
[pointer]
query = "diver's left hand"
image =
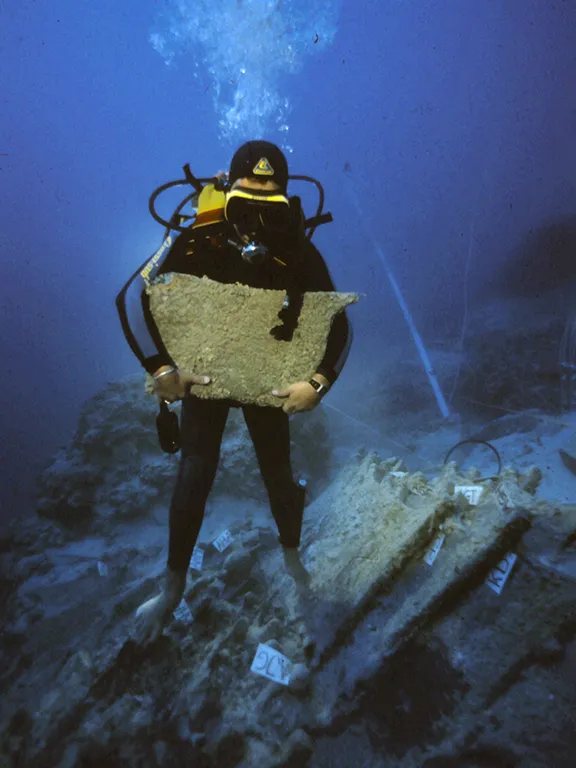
x,y
299,397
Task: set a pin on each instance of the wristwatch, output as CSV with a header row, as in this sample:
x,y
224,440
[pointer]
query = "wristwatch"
x,y
321,389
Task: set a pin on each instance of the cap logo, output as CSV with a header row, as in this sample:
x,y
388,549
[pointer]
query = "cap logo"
x,y
263,168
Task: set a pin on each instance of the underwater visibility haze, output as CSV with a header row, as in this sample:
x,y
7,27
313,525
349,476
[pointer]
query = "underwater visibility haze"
x,y
355,542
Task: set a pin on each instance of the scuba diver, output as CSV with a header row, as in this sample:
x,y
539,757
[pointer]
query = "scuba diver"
x,y
246,230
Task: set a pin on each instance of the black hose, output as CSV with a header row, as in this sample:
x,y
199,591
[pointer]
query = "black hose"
x,y
191,180
151,207
476,442
320,189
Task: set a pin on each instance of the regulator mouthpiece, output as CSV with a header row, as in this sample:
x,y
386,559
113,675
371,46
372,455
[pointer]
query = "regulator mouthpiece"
x,y
253,253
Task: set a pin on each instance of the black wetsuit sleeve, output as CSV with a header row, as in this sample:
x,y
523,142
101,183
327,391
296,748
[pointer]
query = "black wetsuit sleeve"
x,y
133,305
318,278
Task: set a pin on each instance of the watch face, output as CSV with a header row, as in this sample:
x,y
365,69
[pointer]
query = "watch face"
x,y
320,388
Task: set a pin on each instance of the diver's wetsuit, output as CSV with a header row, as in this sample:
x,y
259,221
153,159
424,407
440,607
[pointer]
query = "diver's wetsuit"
x,y
203,421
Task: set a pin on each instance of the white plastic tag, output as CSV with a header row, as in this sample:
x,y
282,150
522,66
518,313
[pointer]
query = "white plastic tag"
x,y
102,569
432,553
223,541
183,612
398,474
499,576
471,492
197,559
269,663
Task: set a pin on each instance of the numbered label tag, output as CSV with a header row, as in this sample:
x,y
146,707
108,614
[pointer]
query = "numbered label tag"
x,y
499,575
432,553
471,492
102,569
197,559
271,664
183,612
223,541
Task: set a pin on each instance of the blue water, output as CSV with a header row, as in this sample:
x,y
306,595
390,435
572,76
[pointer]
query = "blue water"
x,y
451,122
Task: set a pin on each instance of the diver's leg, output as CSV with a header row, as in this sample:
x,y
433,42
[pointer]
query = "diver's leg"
x,y
270,432
203,423
201,429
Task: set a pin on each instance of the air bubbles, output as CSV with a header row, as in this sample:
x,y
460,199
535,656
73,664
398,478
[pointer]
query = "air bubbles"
x,y
248,47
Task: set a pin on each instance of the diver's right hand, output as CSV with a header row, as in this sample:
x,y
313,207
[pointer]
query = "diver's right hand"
x,y
175,386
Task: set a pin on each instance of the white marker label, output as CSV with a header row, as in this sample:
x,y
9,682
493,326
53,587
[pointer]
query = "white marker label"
x,y
471,492
499,575
432,553
102,569
183,612
269,663
398,474
223,541
197,559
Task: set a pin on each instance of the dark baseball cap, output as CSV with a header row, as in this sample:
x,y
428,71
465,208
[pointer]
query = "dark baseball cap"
x,y
260,160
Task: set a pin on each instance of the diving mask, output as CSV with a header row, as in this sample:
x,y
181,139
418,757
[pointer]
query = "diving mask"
x,y
261,217
253,211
